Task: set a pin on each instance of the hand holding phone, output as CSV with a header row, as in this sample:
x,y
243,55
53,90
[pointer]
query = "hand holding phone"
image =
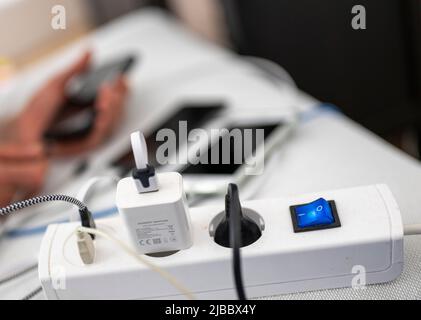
x,y
78,114
82,90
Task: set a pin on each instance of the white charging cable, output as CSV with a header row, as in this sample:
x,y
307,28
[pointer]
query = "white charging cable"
x,y
144,175
140,150
412,229
164,274
86,191
273,69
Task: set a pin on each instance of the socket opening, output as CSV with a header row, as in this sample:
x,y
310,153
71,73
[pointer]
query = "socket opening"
x,y
162,254
249,213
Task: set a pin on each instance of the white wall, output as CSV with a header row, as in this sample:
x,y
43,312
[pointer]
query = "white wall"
x,y
25,26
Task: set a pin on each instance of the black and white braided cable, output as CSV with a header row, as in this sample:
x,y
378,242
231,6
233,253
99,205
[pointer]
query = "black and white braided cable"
x,y
32,294
18,274
40,199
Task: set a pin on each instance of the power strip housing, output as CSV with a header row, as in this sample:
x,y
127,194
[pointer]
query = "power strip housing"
x,y
281,261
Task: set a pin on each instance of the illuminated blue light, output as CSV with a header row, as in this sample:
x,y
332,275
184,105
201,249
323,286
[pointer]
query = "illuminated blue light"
x,y
315,213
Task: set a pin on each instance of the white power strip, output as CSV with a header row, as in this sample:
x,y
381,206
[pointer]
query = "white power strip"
x,y
370,236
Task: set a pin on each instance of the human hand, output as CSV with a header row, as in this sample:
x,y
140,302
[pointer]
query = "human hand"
x,y
109,108
44,106
22,171
23,163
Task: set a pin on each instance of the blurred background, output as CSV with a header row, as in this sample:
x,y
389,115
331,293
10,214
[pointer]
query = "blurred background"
x,y
372,75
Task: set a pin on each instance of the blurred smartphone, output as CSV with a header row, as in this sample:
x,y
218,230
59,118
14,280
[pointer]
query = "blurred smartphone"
x,y
83,89
77,116
196,115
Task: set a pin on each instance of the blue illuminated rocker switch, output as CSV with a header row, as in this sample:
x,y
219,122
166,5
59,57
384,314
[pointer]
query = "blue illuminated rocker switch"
x,y
317,215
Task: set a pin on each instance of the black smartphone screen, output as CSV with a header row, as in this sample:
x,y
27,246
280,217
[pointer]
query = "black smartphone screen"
x,y
230,167
83,89
196,116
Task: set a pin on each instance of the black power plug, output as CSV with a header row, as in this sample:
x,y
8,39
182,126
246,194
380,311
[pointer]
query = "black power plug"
x,y
236,230
250,231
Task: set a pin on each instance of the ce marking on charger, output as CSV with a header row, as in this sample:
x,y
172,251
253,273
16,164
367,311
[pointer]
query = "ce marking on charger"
x,y
146,242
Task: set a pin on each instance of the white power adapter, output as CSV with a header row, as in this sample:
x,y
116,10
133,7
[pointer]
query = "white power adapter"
x,y
153,206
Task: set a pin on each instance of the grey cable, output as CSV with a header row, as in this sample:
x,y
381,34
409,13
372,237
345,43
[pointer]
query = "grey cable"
x,y
32,294
36,200
18,274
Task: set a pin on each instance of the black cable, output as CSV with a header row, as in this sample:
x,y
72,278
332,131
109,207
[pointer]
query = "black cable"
x,y
18,274
233,212
32,294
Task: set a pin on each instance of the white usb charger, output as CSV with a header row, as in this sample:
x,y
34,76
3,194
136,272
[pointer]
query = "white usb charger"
x,y
153,205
